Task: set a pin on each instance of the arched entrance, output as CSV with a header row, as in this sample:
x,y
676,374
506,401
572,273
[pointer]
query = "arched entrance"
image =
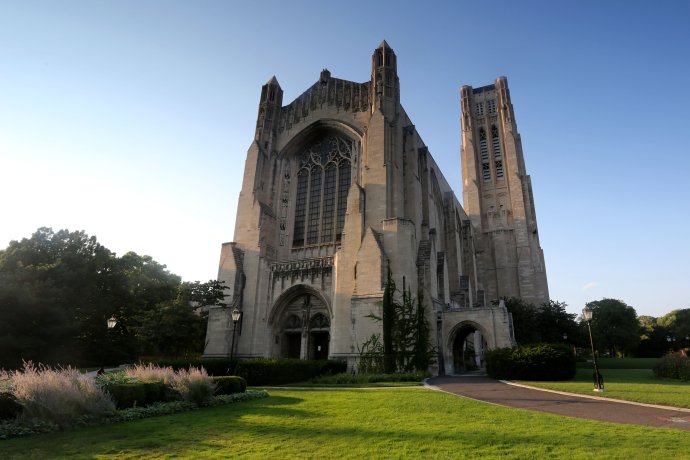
x,y
468,348
302,325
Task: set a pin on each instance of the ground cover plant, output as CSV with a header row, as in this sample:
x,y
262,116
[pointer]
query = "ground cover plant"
x,y
637,385
347,423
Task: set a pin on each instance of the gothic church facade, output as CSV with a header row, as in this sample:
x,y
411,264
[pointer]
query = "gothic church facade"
x,y
338,186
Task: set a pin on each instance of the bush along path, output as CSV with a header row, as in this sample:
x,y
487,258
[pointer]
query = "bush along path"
x,y
39,399
606,410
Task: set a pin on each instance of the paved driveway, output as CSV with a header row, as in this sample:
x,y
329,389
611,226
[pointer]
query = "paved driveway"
x,y
495,392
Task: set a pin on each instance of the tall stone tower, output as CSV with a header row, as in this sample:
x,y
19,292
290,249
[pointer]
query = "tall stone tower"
x,y
498,197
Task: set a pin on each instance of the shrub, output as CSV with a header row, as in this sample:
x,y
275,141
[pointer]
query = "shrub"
x,y
133,394
9,406
279,371
227,385
261,371
193,385
346,378
673,366
217,367
151,373
531,362
59,396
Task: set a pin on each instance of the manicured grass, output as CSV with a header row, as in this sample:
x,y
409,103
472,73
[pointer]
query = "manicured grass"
x,y
354,385
620,363
339,423
628,384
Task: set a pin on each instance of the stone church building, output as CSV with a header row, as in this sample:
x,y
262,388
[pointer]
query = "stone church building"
x,y
338,184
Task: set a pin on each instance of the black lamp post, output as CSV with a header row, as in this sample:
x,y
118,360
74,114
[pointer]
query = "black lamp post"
x,y
235,318
110,322
598,379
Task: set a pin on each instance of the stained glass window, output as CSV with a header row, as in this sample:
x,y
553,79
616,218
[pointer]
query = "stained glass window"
x,y
322,186
300,207
328,204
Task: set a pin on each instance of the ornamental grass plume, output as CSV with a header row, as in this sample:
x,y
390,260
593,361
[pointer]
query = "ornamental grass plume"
x,y
194,385
60,396
151,373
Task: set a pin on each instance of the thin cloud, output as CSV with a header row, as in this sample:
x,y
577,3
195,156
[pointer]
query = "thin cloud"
x,y
590,285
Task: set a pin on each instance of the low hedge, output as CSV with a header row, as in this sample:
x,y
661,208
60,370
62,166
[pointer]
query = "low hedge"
x,y
138,394
531,362
10,408
261,371
673,366
227,385
348,378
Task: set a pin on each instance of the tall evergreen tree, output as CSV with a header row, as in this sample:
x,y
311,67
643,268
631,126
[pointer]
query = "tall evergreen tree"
x,y
388,323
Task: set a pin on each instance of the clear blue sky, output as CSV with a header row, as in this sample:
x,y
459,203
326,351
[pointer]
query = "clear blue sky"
x,y
131,119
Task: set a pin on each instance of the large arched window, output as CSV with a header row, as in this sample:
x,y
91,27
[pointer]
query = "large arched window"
x,y
323,181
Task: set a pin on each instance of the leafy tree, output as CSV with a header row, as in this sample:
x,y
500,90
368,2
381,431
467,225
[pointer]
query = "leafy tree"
x,y
652,338
57,290
615,326
524,320
677,325
552,321
406,330
54,286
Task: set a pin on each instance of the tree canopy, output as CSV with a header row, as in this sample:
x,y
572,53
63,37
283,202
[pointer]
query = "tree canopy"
x,y
615,326
57,290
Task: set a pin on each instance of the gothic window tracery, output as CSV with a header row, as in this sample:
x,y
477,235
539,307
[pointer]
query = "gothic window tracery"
x,y
323,181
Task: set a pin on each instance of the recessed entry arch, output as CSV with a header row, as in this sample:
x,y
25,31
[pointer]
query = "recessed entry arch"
x,y
301,324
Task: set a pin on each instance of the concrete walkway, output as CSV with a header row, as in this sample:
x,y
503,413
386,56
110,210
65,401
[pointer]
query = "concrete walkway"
x,y
491,391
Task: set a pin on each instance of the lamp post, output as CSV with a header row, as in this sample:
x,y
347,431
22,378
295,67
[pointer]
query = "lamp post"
x,y
110,323
598,379
235,318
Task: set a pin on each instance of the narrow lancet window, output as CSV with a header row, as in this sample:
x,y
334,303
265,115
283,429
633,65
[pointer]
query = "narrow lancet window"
x,y
498,157
484,151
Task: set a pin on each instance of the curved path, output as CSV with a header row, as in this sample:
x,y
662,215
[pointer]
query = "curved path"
x,y
491,391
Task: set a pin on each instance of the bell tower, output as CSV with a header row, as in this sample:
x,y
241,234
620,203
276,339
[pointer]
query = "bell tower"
x,y
498,198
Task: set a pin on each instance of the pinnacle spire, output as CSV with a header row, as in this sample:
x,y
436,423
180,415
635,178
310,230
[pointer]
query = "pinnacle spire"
x,y
273,81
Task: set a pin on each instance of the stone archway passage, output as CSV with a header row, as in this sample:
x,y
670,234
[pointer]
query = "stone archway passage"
x,y
468,349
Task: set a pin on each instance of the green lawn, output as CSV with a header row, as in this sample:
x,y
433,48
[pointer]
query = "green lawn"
x,y
341,423
620,363
629,384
